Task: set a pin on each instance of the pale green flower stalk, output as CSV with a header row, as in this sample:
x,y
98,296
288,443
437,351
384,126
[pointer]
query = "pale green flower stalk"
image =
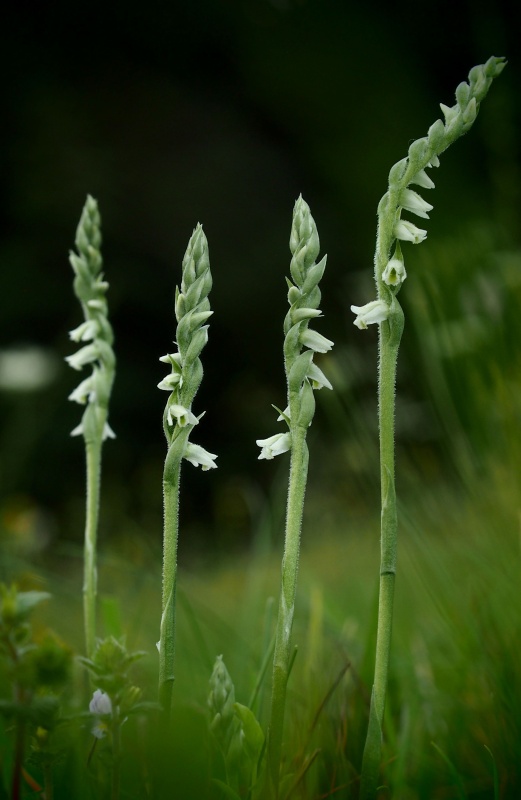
x,y
302,376
387,313
94,391
192,309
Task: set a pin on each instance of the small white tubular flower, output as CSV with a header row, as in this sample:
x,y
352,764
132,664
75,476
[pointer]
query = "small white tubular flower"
x,y
87,330
371,314
422,179
434,162
200,457
412,202
86,355
394,274
170,382
315,341
274,445
317,378
180,415
85,391
100,704
408,232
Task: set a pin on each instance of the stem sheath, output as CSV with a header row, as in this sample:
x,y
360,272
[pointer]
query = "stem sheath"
x,y
93,457
282,654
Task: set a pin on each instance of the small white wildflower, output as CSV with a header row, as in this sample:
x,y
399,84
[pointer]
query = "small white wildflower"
x,y
317,378
408,232
200,457
412,202
372,313
86,355
422,179
101,707
434,162
170,382
180,415
315,341
100,704
85,391
274,445
87,330
394,274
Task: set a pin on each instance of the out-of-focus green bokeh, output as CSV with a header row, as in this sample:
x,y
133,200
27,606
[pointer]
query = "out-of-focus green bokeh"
x,y
223,112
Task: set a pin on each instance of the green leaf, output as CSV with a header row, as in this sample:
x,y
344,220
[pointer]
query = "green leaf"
x,y
253,735
494,772
227,790
454,772
26,601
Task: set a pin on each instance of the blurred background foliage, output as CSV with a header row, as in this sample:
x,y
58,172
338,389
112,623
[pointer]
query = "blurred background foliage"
x,y
223,111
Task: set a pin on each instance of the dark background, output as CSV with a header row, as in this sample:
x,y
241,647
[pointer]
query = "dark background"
x,y
223,112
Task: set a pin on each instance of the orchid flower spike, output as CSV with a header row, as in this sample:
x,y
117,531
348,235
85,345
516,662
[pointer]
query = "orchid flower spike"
x,y
301,342
192,309
424,154
90,289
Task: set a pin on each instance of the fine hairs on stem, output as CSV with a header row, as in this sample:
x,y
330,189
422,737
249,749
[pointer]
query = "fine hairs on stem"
x,y
192,310
94,391
303,376
387,313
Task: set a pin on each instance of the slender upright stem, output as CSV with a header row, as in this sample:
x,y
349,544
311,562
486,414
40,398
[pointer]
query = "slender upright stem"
x,y
192,310
282,654
96,336
93,456
18,760
116,753
48,781
390,334
302,376
171,483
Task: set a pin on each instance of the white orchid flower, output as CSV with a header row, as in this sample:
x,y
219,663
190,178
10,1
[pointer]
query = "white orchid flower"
x,y
200,457
371,314
274,445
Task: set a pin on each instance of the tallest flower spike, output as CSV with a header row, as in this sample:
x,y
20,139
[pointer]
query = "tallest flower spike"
x,y
411,171
389,273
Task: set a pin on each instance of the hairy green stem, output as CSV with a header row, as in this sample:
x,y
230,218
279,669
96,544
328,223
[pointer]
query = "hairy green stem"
x,y
386,311
171,482
282,654
93,458
390,334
